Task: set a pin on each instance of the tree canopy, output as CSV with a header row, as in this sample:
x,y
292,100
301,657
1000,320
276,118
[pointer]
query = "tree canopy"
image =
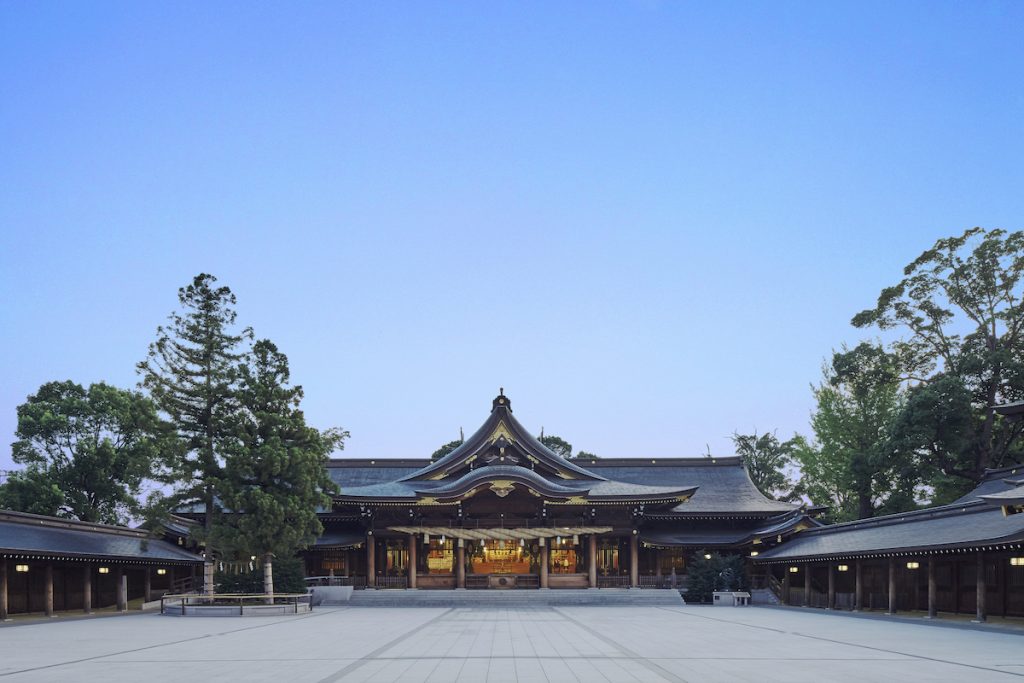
x,y
446,449
961,308
87,452
767,459
557,445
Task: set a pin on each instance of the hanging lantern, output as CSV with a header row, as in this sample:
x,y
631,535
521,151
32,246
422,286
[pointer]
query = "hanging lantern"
x,y
521,543
426,539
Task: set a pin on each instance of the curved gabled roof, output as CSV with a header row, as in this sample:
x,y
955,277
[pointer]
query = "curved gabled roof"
x,y
502,430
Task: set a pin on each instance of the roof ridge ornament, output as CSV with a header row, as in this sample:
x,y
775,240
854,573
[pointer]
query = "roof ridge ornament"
x,y
501,401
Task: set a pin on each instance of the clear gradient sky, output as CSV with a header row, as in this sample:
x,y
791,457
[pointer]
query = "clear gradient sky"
x,y
650,222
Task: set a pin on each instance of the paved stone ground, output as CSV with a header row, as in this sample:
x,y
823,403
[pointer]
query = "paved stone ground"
x,y
563,645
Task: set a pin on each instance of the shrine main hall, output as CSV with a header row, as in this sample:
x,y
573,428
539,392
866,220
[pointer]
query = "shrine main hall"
x,y
504,511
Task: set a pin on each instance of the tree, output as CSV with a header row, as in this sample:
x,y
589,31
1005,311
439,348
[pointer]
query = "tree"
x,y
557,445
585,455
854,467
192,374
274,478
710,572
87,452
766,459
961,305
445,449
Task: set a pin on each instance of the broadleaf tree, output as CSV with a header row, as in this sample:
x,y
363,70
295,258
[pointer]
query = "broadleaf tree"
x,y
960,306
192,373
87,452
767,460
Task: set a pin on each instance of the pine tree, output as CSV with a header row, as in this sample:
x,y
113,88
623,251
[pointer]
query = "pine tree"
x,y
192,375
275,478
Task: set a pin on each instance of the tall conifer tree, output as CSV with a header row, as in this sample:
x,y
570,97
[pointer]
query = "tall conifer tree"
x,y
192,374
274,477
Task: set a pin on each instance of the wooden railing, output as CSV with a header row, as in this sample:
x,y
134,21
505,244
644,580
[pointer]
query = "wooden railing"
x,y
392,582
613,582
356,582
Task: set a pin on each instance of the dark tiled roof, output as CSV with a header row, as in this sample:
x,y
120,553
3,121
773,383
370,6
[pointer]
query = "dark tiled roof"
x,y
946,527
735,534
339,539
58,538
994,481
723,485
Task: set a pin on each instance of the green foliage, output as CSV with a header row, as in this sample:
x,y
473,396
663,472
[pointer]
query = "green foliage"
x,y
766,460
854,466
557,445
274,478
720,572
87,452
584,455
289,577
192,373
961,305
445,449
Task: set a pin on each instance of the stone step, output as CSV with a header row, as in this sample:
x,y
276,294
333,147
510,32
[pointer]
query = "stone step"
x,y
511,598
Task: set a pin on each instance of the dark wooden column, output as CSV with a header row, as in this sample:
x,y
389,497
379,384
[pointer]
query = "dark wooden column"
x,y
932,589
634,561
592,560
858,586
87,589
148,587
892,585
3,589
412,560
122,589
48,589
786,584
371,561
831,604
657,565
543,562
460,561
981,616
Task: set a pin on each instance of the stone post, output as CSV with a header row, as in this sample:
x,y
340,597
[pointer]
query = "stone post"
x,y
858,587
592,561
208,568
371,560
892,585
3,590
460,561
543,562
87,589
412,560
122,589
981,616
634,560
48,588
932,588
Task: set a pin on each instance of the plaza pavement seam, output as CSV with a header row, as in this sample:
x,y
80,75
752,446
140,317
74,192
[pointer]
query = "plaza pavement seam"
x,y
372,656
157,645
646,663
849,644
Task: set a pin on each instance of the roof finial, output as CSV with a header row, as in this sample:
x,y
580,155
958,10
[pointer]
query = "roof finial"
x,y
542,431
461,436
501,390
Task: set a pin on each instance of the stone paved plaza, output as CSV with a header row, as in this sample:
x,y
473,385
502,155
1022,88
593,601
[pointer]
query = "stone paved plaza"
x,y
530,644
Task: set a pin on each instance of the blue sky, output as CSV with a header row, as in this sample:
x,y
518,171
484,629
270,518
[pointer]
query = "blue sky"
x,y
650,222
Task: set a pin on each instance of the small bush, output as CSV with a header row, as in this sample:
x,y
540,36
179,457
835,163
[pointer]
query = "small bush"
x,y
721,572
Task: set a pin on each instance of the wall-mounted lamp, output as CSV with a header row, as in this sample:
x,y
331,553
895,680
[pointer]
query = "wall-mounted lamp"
x,y
753,553
21,568
104,570
913,565
1017,561
843,567
161,572
794,570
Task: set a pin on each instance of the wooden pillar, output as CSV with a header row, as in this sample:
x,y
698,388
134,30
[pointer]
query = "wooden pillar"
x,y
460,561
858,586
122,589
956,586
634,560
981,615
786,584
48,589
412,560
3,589
543,562
831,604
592,560
87,589
148,588
371,561
892,585
932,589
657,564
